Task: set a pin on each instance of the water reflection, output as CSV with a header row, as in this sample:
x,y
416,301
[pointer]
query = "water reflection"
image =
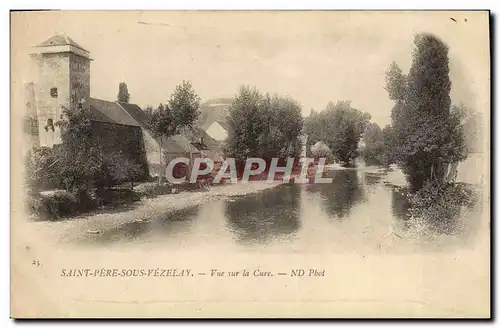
x,y
400,204
373,178
367,212
342,194
173,224
262,217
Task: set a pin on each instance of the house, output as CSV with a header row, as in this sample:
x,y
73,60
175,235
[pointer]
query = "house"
x,y
62,81
212,110
208,146
218,130
190,143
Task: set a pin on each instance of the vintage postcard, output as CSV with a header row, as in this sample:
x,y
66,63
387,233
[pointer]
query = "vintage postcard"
x,y
250,164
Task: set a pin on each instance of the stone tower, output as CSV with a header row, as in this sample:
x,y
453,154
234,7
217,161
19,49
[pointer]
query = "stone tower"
x,y
62,80
30,116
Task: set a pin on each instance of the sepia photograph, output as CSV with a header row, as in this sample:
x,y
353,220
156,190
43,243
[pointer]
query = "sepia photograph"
x,y
250,164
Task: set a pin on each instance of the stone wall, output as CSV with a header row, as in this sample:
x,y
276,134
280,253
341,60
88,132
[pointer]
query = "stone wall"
x,y
52,75
128,140
79,80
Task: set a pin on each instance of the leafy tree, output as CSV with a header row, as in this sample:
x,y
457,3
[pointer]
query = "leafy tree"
x,y
339,126
161,122
428,136
345,147
181,111
378,145
123,94
396,86
184,105
283,123
396,82
314,127
246,123
374,144
388,141
148,110
265,126
80,155
122,169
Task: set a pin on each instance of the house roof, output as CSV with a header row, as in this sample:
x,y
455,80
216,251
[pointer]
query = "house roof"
x,y
60,40
174,144
185,143
194,134
224,125
188,140
211,148
151,144
110,112
136,112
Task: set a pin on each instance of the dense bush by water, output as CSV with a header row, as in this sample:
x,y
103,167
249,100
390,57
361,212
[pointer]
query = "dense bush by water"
x,y
441,204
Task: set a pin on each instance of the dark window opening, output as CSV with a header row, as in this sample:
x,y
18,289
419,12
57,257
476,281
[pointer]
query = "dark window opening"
x,y
53,92
50,125
31,125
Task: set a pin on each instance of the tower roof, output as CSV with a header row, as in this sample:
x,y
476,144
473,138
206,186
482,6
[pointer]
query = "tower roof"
x,y
61,43
60,39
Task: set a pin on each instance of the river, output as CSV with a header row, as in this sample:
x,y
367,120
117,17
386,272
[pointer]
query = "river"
x,y
358,212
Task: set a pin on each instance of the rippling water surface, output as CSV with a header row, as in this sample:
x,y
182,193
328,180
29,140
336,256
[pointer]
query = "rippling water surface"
x,y
358,211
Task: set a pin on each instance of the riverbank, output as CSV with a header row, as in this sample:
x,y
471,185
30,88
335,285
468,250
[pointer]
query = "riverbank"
x,y
145,210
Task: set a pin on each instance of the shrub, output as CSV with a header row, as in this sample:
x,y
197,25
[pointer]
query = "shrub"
x,y
34,203
117,169
320,150
41,169
441,204
59,204
114,197
55,205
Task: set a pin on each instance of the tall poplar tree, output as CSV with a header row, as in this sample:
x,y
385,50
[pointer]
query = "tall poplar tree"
x,y
428,135
123,94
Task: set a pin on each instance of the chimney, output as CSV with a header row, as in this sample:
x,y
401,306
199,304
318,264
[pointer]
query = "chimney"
x,y
201,141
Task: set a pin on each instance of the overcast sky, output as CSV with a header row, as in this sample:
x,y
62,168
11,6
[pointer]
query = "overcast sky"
x,y
315,57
